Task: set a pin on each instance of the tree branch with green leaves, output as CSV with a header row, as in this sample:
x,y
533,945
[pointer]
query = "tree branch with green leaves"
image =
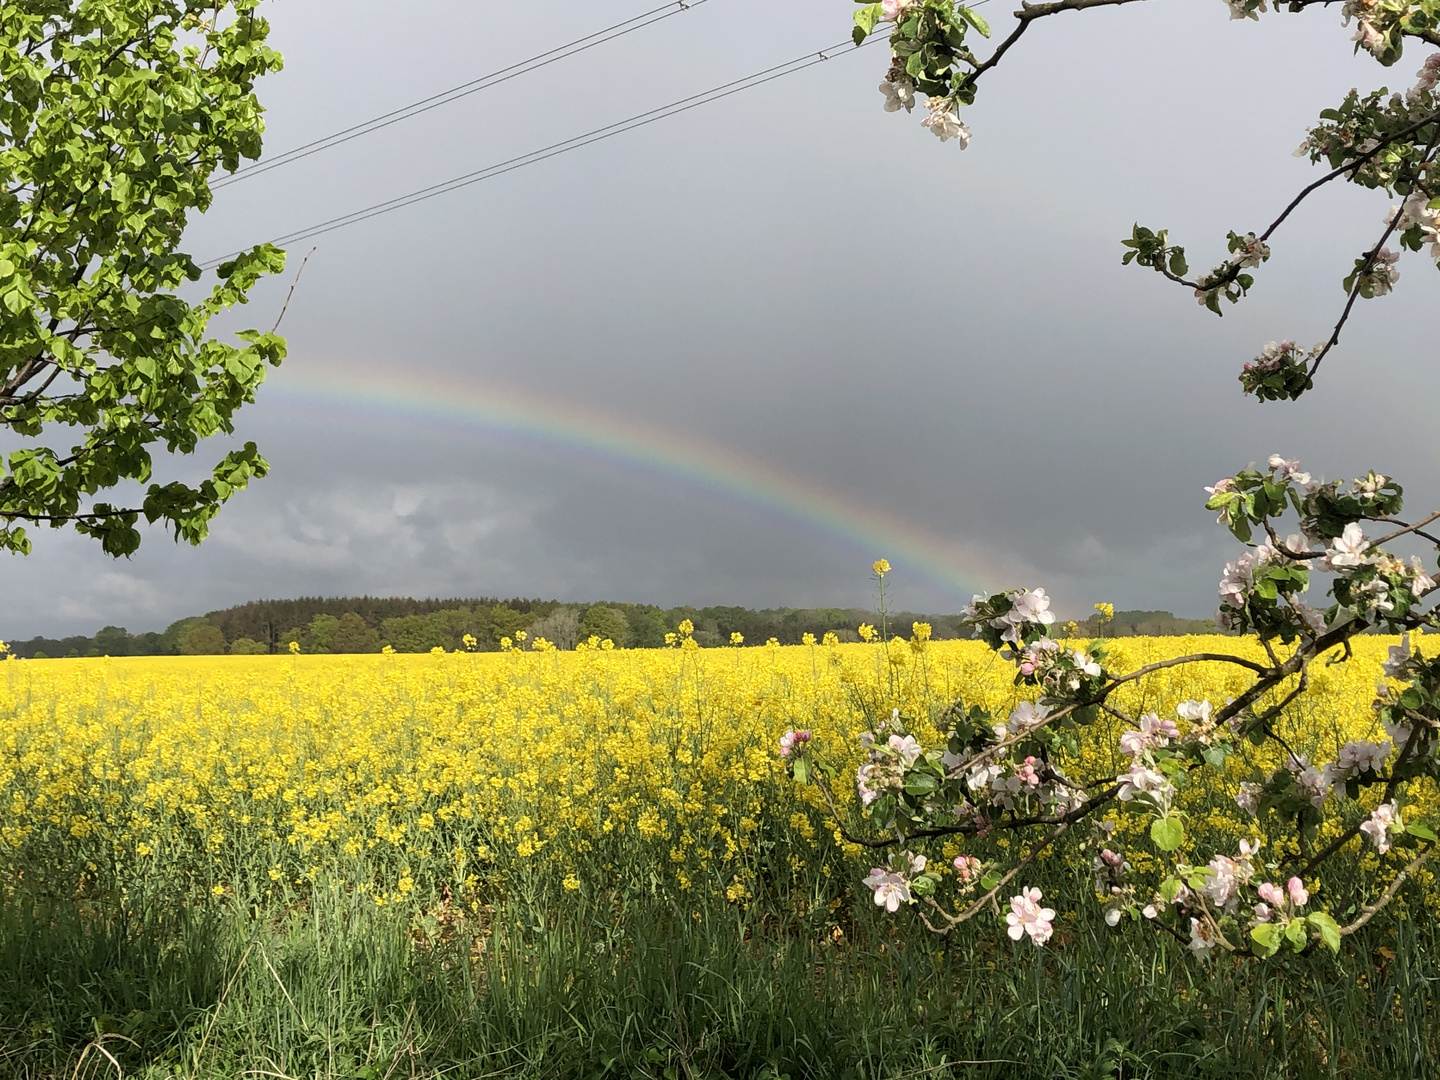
x,y
113,118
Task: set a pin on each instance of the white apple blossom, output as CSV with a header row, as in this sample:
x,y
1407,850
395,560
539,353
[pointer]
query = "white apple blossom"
x,y
944,121
1141,781
890,889
906,749
1254,252
1289,470
1222,884
1152,732
1360,755
982,776
1382,275
1026,916
899,94
1023,717
1383,820
1375,596
1369,38
1249,798
1415,212
1421,582
890,10
1202,939
864,787
1399,733
1312,784
1427,76
792,739
1245,9
1347,550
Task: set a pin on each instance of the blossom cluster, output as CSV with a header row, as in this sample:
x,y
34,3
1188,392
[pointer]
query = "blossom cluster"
x,y
1017,617
1260,589
1280,372
927,44
1417,219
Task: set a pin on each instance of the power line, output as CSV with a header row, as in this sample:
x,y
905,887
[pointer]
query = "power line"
x,y
675,108
464,90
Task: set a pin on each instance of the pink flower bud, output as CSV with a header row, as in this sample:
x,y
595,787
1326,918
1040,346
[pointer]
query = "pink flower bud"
x,y
1271,894
1298,895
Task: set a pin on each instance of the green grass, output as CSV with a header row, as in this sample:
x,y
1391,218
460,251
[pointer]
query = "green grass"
x,y
636,986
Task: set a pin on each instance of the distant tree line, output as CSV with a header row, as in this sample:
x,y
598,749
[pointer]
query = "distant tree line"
x,y
367,624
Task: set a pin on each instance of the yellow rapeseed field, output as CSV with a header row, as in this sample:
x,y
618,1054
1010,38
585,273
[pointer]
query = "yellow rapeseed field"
x,y
409,776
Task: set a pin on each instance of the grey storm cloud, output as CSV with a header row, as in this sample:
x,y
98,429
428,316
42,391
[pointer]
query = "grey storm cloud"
x,y
945,337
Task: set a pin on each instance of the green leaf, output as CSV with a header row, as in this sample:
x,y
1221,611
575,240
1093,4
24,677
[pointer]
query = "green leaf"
x,y
921,783
1421,830
989,881
1329,929
974,20
1167,832
1267,936
1295,934
866,18
802,771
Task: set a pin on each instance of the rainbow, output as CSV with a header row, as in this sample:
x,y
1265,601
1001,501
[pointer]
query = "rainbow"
x,y
958,569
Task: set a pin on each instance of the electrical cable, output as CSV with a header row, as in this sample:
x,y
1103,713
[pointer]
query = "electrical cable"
x,y
675,108
464,90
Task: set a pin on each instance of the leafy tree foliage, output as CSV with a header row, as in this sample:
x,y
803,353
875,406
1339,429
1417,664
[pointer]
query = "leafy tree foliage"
x,y
114,114
605,622
203,640
353,636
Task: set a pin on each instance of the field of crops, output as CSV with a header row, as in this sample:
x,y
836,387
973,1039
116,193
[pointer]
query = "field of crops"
x,y
550,863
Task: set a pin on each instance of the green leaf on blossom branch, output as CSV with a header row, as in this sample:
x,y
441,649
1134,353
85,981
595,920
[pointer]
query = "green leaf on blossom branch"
x,y
1421,831
1328,929
981,26
921,783
1268,936
865,20
1296,935
1167,832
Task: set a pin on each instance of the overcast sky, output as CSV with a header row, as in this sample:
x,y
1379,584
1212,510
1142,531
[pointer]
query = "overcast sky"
x,y
789,280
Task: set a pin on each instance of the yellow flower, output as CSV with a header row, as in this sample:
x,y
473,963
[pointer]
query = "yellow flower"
x,y
807,639
1106,611
737,638
881,567
866,632
294,648
571,882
